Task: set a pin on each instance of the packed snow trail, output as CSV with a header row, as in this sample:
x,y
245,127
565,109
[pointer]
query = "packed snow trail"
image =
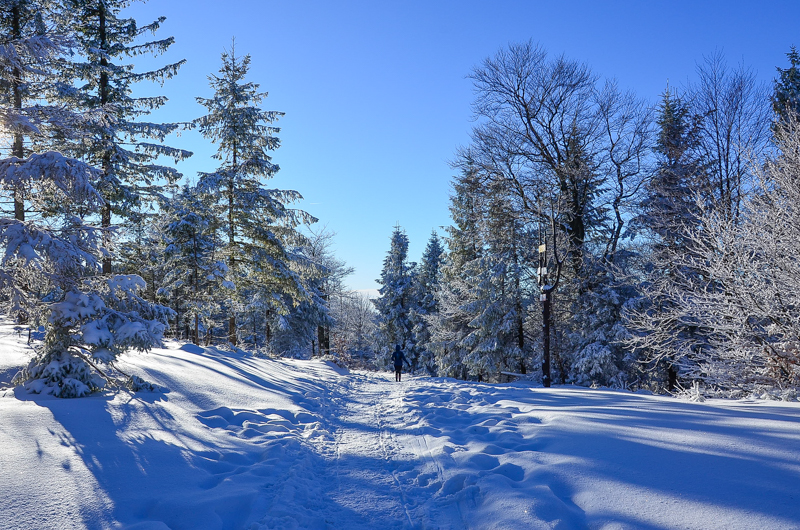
x,y
238,442
366,453
373,472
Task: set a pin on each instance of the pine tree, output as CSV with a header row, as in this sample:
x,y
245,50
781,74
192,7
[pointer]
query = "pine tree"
x,y
729,315
306,330
114,138
786,92
50,266
139,249
41,260
500,277
89,319
28,47
669,206
260,229
596,338
579,214
397,301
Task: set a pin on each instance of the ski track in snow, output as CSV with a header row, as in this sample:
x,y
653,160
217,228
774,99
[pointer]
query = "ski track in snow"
x,y
244,443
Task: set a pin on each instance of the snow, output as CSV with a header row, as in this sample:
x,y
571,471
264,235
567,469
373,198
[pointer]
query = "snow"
x,y
244,442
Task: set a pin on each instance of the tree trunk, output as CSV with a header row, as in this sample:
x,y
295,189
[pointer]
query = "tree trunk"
x,y
232,329
267,330
105,216
324,339
17,149
672,378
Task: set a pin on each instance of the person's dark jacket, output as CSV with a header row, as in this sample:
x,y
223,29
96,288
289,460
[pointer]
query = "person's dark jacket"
x,y
398,358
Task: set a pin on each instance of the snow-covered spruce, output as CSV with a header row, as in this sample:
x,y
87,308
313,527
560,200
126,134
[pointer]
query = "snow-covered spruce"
x,y
40,257
261,249
396,301
194,271
114,135
427,282
89,329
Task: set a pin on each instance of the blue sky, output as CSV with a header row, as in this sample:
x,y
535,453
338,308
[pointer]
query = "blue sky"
x,y
376,95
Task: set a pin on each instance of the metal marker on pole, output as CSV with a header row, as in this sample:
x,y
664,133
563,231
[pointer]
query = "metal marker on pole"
x,y
545,299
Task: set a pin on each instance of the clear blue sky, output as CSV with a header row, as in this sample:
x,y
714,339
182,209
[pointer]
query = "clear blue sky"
x,y
376,96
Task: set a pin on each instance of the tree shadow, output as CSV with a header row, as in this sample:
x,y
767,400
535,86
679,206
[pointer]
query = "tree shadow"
x,y
722,459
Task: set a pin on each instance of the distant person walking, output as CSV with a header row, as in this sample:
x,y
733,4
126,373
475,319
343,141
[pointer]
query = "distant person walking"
x,y
398,358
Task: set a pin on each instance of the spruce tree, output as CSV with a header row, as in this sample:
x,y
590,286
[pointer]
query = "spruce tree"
x,y
28,48
598,355
786,92
305,330
499,279
51,269
29,45
455,294
261,236
669,215
397,301
192,260
427,283
669,207
51,262
114,137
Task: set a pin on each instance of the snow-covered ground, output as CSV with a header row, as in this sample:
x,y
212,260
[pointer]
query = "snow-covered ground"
x,y
240,442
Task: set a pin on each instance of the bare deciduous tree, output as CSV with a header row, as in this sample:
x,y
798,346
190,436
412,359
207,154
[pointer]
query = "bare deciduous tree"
x,y
748,304
735,118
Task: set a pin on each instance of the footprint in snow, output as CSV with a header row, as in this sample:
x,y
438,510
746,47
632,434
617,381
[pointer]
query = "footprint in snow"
x,y
482,461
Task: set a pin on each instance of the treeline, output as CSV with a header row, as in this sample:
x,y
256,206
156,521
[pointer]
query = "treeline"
x,y
661,240
105,248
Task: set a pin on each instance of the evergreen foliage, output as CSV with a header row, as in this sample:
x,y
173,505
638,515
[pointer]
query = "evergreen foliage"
x,y
397,300
670,203
427,283
598,356
664,237
193,263
307,329
92,325
50,264
671,208
260,230
98,81
786,92
451,324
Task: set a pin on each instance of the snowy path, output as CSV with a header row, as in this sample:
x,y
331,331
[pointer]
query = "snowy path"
x,y
415,455
376,466
259,444
366,452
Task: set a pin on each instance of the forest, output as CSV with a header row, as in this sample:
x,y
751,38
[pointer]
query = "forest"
x,y
595,239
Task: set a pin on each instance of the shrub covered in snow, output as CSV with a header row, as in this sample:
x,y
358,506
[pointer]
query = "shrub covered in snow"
x,y
87,330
